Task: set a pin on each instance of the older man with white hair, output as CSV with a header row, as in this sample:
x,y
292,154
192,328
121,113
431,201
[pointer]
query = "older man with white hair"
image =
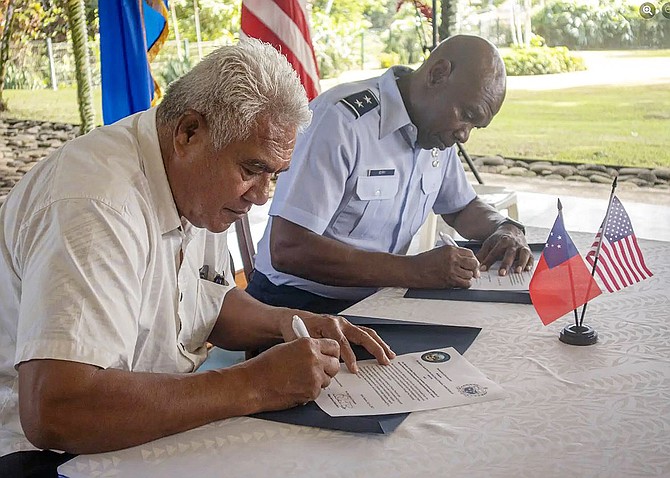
x,y
114,271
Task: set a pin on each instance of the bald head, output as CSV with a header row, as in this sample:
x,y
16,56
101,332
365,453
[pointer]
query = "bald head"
x,y
461,86
473,60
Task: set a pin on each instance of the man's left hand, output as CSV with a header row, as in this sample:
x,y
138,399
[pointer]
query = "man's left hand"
x,y
344,332
509,244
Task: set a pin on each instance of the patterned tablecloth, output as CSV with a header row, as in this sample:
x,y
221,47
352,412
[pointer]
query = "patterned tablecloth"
x,y
597,411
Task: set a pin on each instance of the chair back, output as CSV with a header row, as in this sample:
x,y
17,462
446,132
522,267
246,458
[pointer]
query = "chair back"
x,y
246,245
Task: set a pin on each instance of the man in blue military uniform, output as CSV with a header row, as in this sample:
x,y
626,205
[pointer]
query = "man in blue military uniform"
x,y
377,157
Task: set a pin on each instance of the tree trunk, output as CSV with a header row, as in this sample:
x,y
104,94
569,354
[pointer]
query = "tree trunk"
x,y
448,19
4,49
514,24
175,27
528,30
76,15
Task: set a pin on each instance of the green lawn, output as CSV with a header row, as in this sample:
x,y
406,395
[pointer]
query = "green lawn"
x,y
49,105
620,126
636,53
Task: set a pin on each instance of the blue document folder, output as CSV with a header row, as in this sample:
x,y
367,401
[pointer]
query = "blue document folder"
x,y
403,338
506,296
474,246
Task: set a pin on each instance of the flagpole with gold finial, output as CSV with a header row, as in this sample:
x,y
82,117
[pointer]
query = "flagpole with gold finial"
x,y
600,242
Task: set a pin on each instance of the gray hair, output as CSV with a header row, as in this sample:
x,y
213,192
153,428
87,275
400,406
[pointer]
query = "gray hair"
x,y
233,87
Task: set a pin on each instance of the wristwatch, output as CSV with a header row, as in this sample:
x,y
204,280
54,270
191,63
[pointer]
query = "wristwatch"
x,y
509,220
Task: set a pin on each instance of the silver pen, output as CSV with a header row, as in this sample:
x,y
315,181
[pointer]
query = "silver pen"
x,y
447,239
299,328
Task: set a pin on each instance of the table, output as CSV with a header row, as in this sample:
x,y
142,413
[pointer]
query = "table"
x,y
597,411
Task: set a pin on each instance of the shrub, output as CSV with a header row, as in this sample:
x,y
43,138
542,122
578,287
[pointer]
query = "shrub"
x,y
609,25
175,67
17,78
541,60
405,36
387,60
336,42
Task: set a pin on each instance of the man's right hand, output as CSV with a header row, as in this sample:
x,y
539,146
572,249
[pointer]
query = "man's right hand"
x,y
444,267
293,373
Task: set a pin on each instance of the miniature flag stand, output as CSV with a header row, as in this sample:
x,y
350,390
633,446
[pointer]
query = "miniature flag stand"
x,y
562,282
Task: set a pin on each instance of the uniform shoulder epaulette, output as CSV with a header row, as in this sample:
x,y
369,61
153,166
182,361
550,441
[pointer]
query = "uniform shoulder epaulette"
x,y
360,103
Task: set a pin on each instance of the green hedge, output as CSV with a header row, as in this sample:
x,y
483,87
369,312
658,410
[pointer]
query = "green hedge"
x,y
22,79
541,60
174,67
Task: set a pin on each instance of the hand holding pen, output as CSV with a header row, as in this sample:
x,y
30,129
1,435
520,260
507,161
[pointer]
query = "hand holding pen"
x,y
299,328
447,240
343,332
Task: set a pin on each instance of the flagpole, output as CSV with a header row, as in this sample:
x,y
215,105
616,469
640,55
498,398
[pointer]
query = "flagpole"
x,y
560,214
600,242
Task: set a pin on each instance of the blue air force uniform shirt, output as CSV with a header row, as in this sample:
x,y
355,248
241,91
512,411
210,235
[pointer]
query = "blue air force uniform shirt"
x,y
358,177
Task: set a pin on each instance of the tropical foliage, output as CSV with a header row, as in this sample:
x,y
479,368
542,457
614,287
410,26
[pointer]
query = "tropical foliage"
x,y
408,38
340,27
344,32
539,59
172,69
218,20
33,22
609,25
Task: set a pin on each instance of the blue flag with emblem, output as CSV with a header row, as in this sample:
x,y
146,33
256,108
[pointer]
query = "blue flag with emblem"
x,y
131,34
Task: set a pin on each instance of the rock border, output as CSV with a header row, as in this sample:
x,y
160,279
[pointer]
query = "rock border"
x,y
657,178
23,143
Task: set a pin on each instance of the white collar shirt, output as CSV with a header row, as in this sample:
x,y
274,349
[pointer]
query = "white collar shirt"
x,y
361,179
90,246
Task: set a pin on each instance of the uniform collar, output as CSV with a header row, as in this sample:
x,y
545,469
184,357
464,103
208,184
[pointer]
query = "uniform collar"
x,y
154,170
394,115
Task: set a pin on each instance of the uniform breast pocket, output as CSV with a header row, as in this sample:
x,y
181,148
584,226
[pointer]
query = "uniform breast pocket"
x,y
430,186
377,194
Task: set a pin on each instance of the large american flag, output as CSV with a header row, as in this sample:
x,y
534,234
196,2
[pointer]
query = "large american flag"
x,y
620,262
283,23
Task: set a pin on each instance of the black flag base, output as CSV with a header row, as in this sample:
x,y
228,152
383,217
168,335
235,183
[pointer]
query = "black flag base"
x,y
578,335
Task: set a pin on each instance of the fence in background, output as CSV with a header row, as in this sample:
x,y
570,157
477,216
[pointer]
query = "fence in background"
x,y
47,65
43,64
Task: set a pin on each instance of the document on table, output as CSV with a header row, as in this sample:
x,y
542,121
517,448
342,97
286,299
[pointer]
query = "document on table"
x,y
417,381
491,279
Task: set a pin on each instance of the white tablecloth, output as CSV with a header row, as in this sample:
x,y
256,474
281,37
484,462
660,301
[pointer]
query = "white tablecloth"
x,y
596,411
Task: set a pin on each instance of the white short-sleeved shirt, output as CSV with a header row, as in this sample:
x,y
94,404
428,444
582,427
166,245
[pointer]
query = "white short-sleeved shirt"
x,y
90,244
357,176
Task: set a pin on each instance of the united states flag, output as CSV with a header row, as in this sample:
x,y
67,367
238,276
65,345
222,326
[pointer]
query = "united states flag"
x,y
620,262
283,24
